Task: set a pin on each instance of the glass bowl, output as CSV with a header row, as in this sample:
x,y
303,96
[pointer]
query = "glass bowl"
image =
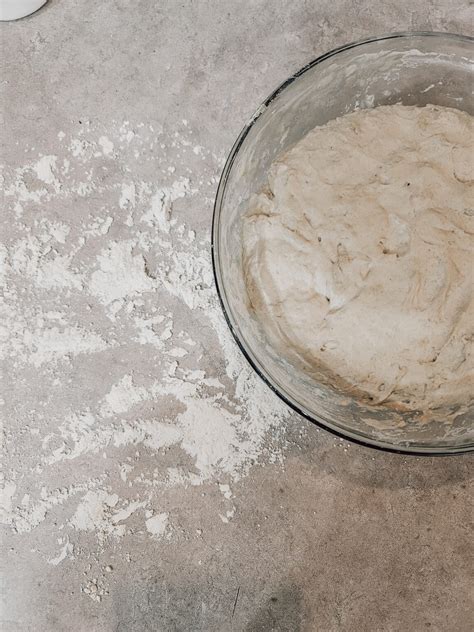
x,y
407,68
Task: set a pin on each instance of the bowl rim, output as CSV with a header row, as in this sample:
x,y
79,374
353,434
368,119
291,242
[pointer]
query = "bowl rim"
x,y
416,450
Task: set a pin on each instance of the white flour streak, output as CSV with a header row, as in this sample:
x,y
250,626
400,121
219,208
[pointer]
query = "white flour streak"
x,y
127,196
107,145
66,551
210,437
160,209
98,511
93,510
53,344
58,231
153,434
45,168
122,397
80,435
32,514
120,273
6,502
56,273
126,512
147,331
156,525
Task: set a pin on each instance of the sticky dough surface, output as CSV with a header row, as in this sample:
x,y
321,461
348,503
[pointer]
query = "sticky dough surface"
x,y
358,255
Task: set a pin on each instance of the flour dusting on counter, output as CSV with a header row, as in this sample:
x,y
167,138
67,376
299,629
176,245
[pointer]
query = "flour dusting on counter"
x,y
110,308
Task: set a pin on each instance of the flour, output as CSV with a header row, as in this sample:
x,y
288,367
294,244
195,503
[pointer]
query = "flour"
x,y
79,148
95,589
57,273
96,512
177,352
107,145
127,196
28,516
67,550
38,345
148,328
126,512
45,168
229,514
159,213
120,273
57,230
152,434
156,525
35,256
6,502
100,226
54,344
110,300
122,396
210,436
225,490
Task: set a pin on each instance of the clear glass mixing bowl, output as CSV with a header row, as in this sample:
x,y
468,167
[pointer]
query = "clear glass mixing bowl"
x,y
408,68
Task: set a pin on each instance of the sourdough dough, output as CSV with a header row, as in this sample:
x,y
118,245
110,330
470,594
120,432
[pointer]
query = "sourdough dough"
x,y
358,255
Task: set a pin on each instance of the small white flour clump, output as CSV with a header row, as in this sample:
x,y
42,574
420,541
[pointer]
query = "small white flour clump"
x,y
358,254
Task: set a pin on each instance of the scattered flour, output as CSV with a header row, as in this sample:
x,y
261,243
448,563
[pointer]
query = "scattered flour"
x,y
119,273
51,345
122,396
6,502
45,168
92,509
67,550
156,525
56,273
125,334
127,195
159,213
107,145
98,512
210,436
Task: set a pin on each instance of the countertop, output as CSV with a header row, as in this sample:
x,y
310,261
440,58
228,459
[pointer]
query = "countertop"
x,y
151,481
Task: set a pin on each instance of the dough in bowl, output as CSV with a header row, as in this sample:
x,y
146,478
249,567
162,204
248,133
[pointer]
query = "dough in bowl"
x,y
358,255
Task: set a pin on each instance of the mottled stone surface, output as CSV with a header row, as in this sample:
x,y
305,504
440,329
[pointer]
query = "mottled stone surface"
x,y
152,483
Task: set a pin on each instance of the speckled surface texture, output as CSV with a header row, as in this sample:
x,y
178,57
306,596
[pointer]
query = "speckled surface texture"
x,y
151,482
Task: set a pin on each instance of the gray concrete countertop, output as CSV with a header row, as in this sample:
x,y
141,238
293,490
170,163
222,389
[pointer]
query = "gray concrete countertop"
x,y
151,481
